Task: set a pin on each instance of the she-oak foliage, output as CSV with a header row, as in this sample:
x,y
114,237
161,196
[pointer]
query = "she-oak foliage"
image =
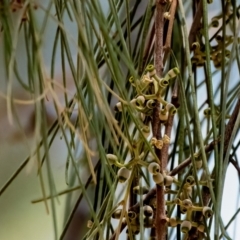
x,y
154,95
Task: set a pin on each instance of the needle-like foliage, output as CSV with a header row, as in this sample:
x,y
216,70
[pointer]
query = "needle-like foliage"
x,y
144,96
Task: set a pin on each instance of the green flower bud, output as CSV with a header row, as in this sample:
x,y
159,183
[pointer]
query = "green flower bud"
x,y
123,174
132,81
151,104
158,178
173,222
168,180
163,115
215,22
163,83
154,168
207,112
146,131
186,226
140,100
207,212
187,203
171,109
227,53
146,80
112,159
196,46
172,73
151,69
190,180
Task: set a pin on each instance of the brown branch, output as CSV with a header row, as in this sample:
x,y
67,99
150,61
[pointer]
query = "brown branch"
x,y
196,25
160,220
187,161
170,28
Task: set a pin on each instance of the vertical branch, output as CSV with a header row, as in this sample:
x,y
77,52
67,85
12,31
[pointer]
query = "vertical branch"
x,y
170,28
160,220
159,21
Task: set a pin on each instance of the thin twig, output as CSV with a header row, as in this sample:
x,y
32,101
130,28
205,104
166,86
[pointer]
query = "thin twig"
x,y
170,28
196,25
235,164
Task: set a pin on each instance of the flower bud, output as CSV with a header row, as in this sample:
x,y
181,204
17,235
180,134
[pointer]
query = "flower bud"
x,y
132,81
173,222
123,174
190,180
140,100
146,80
112,159
168,180
172,73
186,226
207,212
158,178
187,203
151,69
154,168
147,211
215,22
171,109
207,112
146,131
163,115
163,83
151,103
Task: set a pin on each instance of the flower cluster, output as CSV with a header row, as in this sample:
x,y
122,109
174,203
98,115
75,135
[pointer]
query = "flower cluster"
x,y
149,91
216,55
